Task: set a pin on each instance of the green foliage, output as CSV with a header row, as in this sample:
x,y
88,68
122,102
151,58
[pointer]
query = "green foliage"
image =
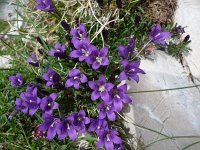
x,y
4,26
177,44
177,49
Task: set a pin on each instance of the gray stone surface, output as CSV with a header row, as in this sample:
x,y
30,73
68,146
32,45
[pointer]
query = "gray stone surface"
x,y
4,61
7,10
174,113
7,13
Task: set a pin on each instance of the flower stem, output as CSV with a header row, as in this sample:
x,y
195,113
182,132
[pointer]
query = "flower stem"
x,y
189,146
170,89
60,64
140,126
173,137
142,49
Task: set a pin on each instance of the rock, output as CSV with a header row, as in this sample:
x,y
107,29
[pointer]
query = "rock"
x,y
188,15
173,113
4,61
7,10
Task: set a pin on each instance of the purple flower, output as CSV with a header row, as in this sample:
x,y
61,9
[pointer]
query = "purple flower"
x,y
126,52
48,103
16,80
51,77
179,29
98,125
107,109
28,102
40,92
119,97
30,88
32,60
78,34
130,70
157,36
75,78
20,105
100,88
50,125
58,51
83,50
45,5
98,58
80,120
66,128
108,139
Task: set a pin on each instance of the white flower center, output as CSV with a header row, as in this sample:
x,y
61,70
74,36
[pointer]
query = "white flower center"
x,y
81,35
157,35
79,118
99,59
68,128
49,104
108,137
133,69
51,77
76,77
19,80
107,107
84,52
54,122
102,88
30,101
117,96
58,50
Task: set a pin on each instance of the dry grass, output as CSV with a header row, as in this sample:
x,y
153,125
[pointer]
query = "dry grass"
x,y
160,11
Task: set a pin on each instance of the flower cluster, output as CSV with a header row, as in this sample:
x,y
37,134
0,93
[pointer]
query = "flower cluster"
x,y
111,95
130,69
28,101
85,51
69,126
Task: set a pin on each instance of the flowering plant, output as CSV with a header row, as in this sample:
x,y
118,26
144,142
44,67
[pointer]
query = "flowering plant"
x,y
79,87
